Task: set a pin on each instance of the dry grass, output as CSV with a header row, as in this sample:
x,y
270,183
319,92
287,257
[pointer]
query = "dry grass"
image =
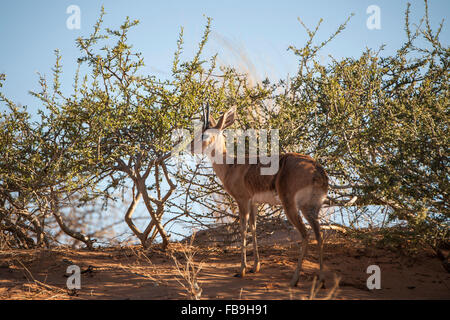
x,y
189,271
332,293
38,289
143,267
205,272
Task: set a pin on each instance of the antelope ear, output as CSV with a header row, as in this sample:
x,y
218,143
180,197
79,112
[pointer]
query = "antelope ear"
x,y
227,119
212,122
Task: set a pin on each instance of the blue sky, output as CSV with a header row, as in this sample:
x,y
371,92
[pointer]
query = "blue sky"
x,y
261,30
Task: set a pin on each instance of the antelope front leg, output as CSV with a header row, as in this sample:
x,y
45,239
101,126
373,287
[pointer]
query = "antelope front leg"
x,y
253,215
244,222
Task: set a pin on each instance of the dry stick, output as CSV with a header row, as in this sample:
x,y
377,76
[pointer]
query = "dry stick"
x,y
49,287
161,203
74,234
189,272
155,220
154,271
130,212
38,226
8,225
331,293
142,189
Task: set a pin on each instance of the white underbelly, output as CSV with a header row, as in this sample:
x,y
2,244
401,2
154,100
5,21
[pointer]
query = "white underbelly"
x,y
269,197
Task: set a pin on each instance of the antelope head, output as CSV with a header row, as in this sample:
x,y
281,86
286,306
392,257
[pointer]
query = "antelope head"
x,y
210,140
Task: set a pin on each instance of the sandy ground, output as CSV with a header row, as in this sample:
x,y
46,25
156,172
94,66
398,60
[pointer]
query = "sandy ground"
x,y
134,273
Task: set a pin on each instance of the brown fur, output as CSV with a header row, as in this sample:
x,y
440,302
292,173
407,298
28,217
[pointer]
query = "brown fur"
x,y
245,180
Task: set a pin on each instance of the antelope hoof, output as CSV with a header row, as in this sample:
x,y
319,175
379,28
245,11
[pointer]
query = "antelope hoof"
x,y
240,274
294,280
322,281
256,268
